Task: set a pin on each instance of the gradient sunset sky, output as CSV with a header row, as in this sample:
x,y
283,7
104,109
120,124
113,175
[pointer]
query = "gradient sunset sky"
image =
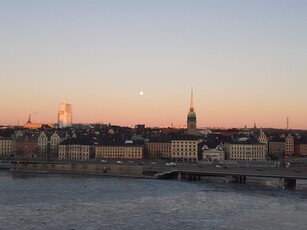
x,y
246,61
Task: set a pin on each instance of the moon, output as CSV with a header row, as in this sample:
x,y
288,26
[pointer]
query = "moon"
x,y
141,93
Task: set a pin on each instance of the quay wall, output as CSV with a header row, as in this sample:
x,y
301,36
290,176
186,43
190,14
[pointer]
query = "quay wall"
x,y
78,168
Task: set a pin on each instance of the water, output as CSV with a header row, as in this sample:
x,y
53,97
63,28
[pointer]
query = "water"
x,y
81,202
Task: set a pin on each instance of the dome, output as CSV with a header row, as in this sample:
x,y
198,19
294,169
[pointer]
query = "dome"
x,y
191,116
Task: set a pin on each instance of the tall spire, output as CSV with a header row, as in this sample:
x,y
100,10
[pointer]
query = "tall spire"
x,y
191,103
29,120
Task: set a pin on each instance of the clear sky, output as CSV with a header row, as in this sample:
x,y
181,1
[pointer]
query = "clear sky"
x,y
246,61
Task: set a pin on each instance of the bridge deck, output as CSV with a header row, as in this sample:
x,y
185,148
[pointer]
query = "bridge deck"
x,y
224,173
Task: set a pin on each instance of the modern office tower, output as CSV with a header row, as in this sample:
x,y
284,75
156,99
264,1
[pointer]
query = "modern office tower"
x,y
65,115
191,119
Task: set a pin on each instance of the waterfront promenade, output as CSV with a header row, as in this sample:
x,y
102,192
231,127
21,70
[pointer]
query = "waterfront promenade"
x,y
287,175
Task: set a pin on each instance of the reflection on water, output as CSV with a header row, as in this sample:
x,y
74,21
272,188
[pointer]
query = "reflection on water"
x,y
81,202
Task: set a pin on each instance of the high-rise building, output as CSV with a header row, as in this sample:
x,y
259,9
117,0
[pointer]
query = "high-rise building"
x,y
191,119
65,115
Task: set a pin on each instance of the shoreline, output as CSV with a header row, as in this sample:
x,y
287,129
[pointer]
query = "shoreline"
x,y
82,174
82,169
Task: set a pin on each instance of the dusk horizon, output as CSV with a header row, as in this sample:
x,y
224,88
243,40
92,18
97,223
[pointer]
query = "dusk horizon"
x,y
244,60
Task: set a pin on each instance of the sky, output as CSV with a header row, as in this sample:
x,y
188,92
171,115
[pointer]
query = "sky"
x,y
245,60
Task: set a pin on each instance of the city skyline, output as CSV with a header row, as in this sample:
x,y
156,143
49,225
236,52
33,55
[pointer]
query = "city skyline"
x,y
244,60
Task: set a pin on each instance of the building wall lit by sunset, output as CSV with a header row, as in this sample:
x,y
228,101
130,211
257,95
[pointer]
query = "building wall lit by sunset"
x,y
65,115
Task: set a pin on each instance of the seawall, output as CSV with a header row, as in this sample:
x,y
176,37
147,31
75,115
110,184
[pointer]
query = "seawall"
x,y
81,168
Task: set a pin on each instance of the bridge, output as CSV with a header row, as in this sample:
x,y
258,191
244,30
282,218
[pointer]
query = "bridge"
x,y
287,177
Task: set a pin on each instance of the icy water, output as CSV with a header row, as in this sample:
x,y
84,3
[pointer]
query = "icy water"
x,y
83,202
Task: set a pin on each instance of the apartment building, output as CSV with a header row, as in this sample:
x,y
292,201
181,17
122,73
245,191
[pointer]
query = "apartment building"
x,y
159,149
127,151
245,150
74,149
184,150
7,146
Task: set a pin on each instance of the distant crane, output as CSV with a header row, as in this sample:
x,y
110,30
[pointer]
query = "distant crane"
x,y
29,120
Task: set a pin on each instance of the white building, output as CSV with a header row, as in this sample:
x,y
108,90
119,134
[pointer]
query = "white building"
x,y
65,115
216,154
42,142
245,151
55,140
262,138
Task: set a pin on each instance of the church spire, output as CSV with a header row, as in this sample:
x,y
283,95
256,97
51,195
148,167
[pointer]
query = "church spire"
x,y
191,119
191,103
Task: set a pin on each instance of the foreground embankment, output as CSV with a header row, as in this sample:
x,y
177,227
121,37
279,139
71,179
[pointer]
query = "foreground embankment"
x,y
79,168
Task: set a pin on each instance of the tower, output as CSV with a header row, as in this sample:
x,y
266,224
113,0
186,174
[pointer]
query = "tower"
x,y
65,115
191,119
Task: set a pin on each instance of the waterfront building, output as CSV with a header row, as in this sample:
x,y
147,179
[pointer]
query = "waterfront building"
x,y
75,149
48,144
7,146
245,150
191,119
262,138
42,145
159,148
213,154
27,146
185,150
289,145
65,115
126,151
277,147
300,148
55,139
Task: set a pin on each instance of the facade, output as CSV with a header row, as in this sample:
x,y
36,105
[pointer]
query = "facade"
x,y
128,151
7,146
300,148
262,138
65,115
75,149
48,144
27,146
185,150
75,152
191,119
245,151
289,145
277,147
42,145
159,150
55,140
215,154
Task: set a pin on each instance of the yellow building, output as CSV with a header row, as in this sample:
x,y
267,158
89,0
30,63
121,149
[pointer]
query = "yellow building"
x,y
7,146
128,151
185,150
